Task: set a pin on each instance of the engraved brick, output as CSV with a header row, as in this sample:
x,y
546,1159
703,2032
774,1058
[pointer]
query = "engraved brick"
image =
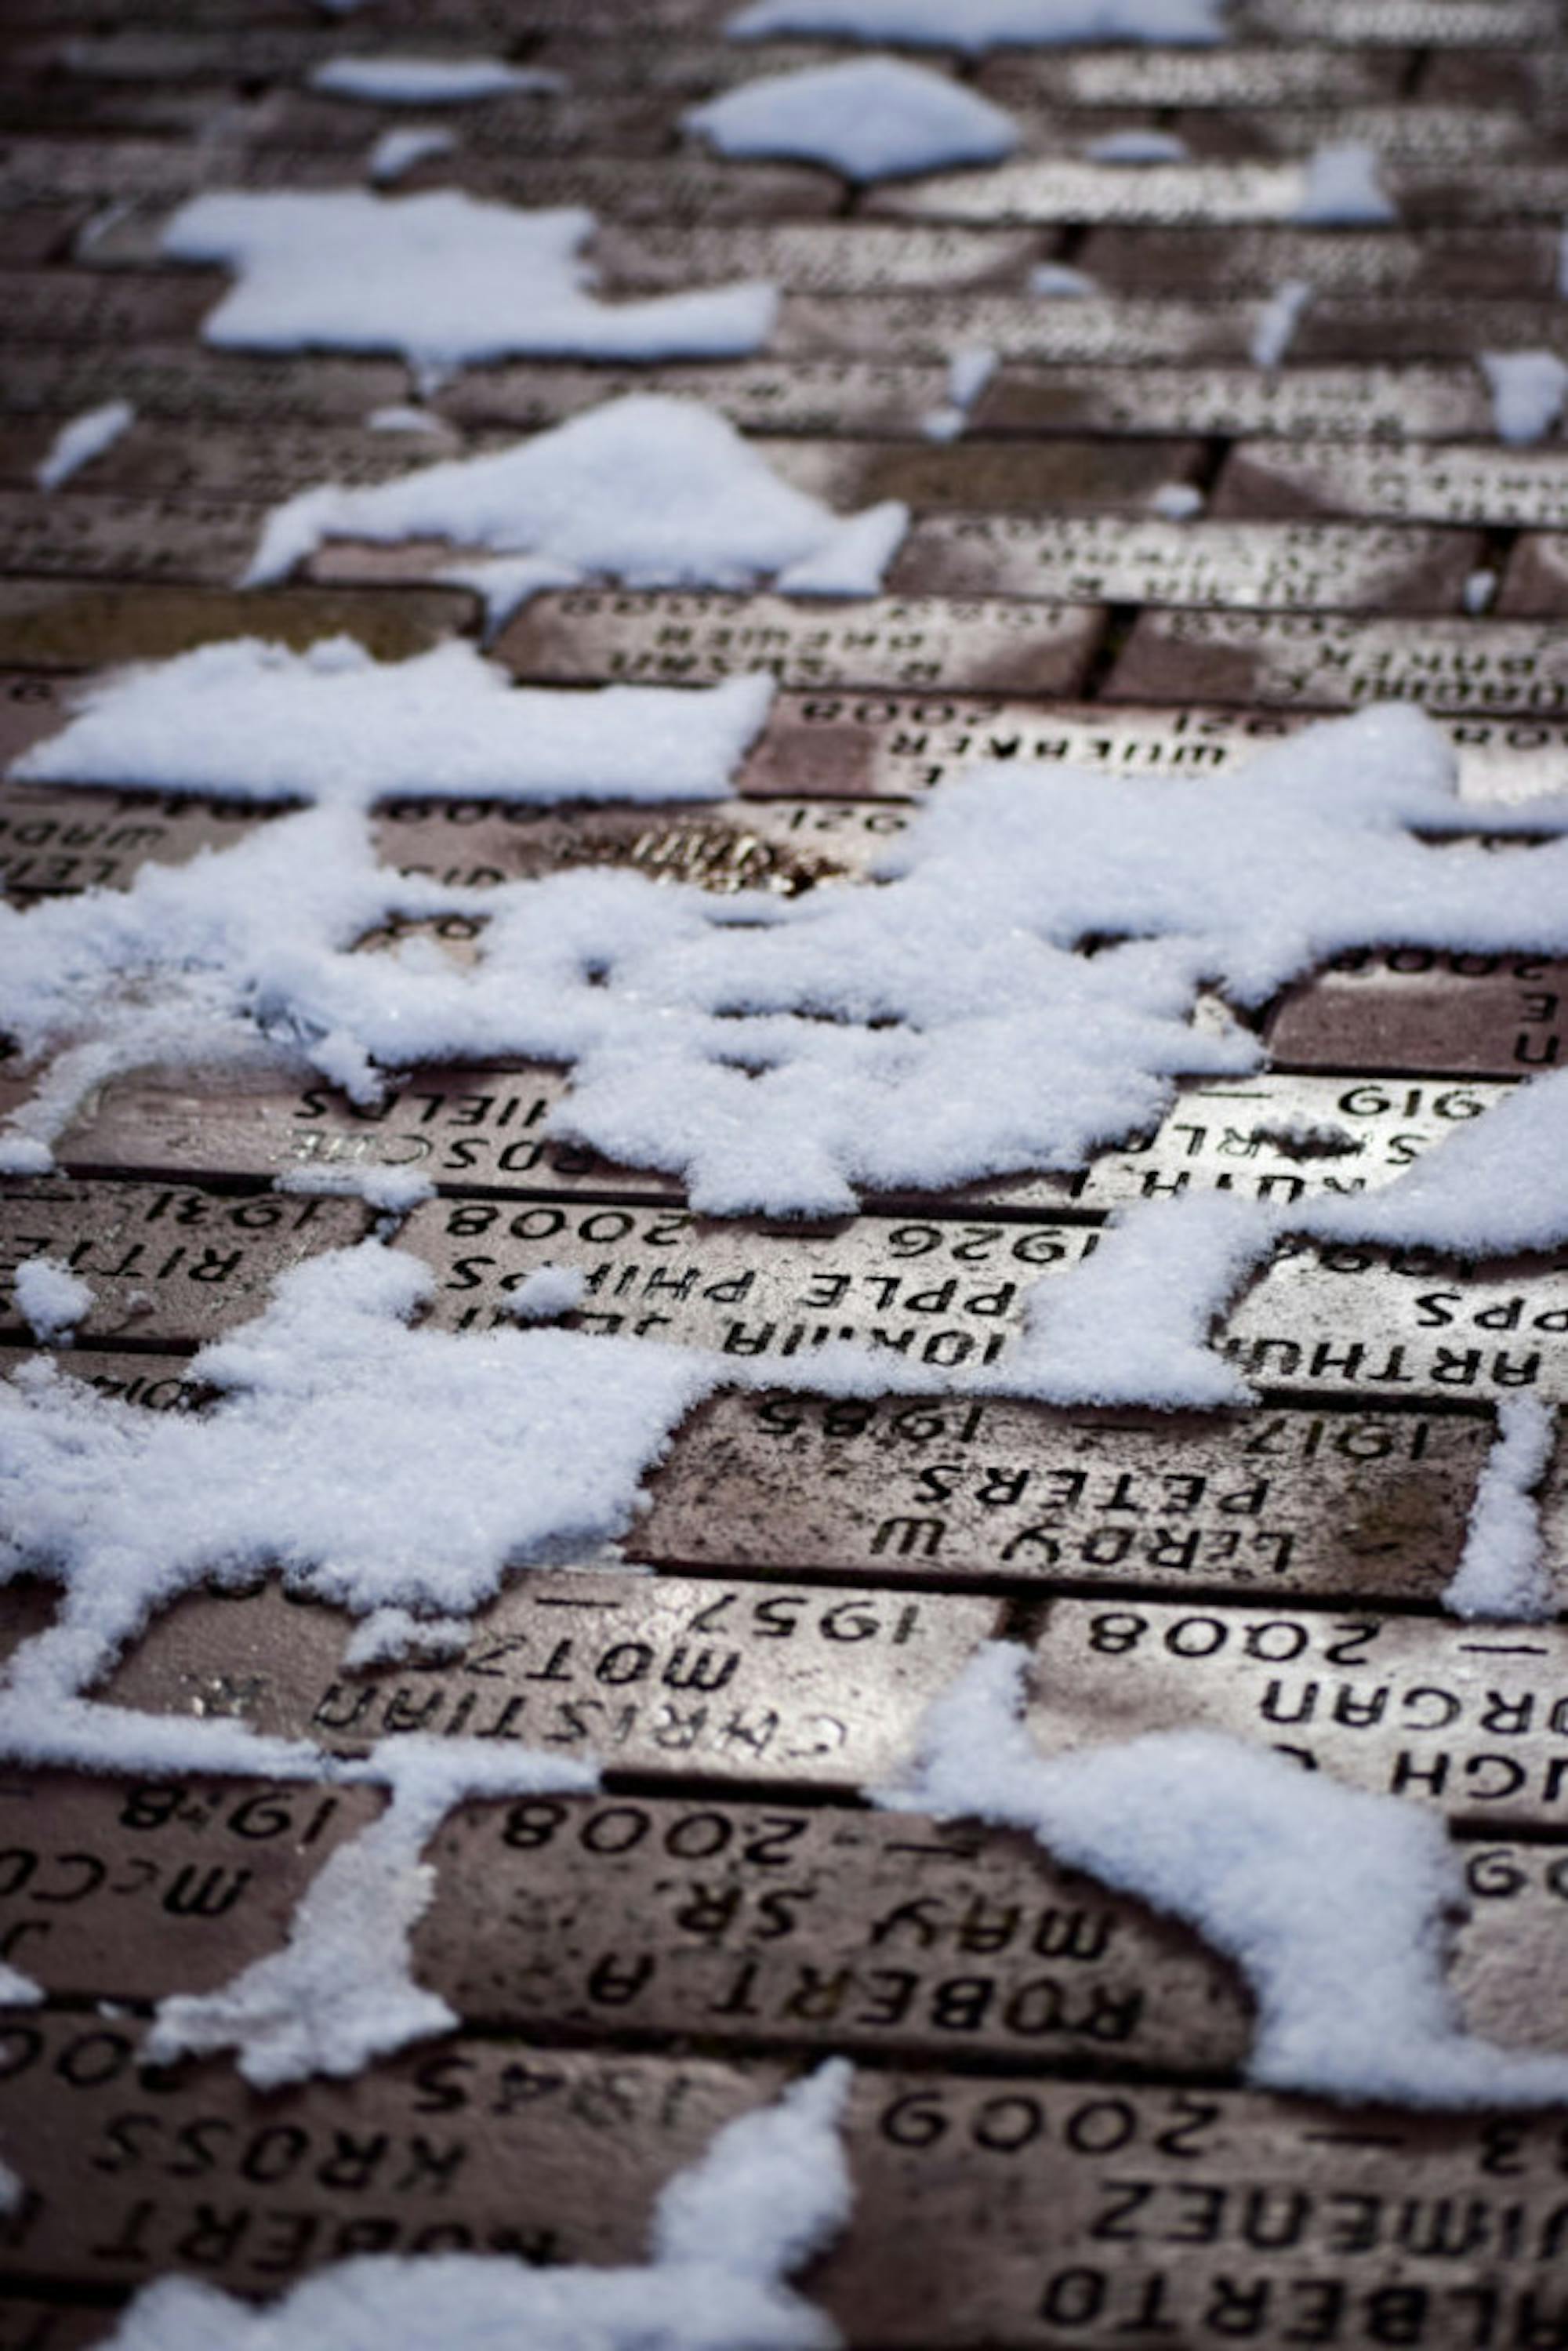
x,y
1415,1009
88,536
1454,484
1320,403
1536,578
820,396
814,257
70,305
169,1266
983,2204
1468,1718
1325,662
767,1683
1283,565
1228,74
108,1887
56,624
197,386
922,326
602,636
1269,1507
1087,477
812,1928
1067,189
1452,262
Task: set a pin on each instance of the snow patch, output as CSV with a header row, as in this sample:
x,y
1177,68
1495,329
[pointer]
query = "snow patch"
x,y
425,82
441,278
876,118
771,2189
315,1462
245,720
1342,191
1504,1572
1333,1903
85,437
1480,589
397,152
1176,501
51,1298
341,1991
975,25
1276,322
969,373
653,491
1057,281
398,417
387,1637
547,1293
1137,147
1528,392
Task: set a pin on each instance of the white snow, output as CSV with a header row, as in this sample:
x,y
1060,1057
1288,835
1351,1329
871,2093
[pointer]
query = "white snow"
x,y
340,1991
779,1054
441,278
969,370
1342,191
650,490
1333,1903
1528,392
16,1990
397,152
975,25
1480,589
245,720
875,119
393,1190
1130,1323
315,1462
771,2189
1277,321
1057,280
1176,501
1137,147
51,1298
398,417
548,1292
85,437
1504,1572
425,82
389,1636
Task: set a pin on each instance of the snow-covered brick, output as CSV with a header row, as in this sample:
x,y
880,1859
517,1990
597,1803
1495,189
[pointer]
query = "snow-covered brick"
x,y
1333,1903
84,438
245,720
1527,389
315,1463
1503,1573
425,82
1342,191
771,2189
1277,321
1137,147
441,278
872,119
397,152
649,490
976,24
340,1991
51,1298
